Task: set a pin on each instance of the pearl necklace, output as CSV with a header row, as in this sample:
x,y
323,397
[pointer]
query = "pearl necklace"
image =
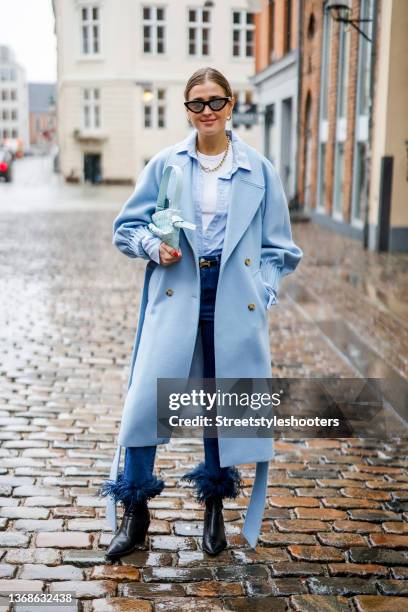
x,y
205,168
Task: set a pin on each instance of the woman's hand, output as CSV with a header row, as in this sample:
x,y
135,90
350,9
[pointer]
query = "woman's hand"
x,y
168,255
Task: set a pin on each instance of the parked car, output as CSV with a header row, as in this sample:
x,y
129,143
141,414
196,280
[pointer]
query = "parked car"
x,y
15,146
6,161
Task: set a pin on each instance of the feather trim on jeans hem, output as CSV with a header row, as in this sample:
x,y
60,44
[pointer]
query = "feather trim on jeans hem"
x,y
227,484
129,493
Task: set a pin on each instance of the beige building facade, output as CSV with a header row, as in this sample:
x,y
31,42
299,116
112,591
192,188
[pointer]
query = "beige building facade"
x,y
14,132
122,68
388,188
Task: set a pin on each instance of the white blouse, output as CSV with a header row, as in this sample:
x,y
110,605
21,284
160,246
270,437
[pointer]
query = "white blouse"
x,y
209,195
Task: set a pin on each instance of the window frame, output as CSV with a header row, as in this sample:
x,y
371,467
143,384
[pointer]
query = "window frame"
x,y
89,4
199,28
340,140
324,91
92,103
242,28
361,119
154,108
154,24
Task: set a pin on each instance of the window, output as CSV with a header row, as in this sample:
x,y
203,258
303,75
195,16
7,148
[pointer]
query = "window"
x,y
90,30
243,34
14,114
91,108
287,26
13,94
154,107
5,114
362,111
153,29
341,120
343,75
14,133
338,186
323,110
4,94
322,175
199,24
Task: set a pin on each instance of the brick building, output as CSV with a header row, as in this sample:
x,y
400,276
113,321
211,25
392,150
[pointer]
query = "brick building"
x,y
351,152
276,84
332,106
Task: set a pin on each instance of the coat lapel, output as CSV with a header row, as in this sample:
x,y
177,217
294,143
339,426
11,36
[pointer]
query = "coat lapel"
x,y
246,196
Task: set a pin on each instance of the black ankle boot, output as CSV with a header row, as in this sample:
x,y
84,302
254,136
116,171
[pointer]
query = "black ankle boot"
x,y
214,540
132,531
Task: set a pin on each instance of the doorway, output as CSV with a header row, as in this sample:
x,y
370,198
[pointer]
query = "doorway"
x,y
92,167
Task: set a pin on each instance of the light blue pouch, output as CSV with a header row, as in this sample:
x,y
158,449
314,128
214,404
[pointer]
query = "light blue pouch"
x,y
167,220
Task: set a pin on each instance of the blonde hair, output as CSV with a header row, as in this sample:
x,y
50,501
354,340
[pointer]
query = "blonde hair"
x,y
202,75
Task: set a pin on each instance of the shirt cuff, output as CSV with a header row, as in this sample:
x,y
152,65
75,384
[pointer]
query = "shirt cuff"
x,y
272,296
151,245
271,274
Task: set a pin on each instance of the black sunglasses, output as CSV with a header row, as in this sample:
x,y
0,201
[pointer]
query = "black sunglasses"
x,y
216,104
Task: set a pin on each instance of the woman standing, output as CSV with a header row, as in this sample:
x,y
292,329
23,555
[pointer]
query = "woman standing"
x,y
240,250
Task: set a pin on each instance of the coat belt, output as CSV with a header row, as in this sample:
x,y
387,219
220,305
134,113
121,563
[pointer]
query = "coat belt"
x,y
254,514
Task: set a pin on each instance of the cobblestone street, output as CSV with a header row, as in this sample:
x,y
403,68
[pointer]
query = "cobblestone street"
x,y
335,534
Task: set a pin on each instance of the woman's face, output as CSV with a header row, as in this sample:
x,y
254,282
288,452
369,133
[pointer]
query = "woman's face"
x,y
209,122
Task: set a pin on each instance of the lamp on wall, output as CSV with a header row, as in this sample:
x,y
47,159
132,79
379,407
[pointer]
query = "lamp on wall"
x,y
340,10
147,95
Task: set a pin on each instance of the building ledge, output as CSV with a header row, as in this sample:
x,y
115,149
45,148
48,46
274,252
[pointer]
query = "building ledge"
x,y
89,136
285,63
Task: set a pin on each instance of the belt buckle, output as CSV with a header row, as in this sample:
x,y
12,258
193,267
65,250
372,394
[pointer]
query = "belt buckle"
x,y
204,263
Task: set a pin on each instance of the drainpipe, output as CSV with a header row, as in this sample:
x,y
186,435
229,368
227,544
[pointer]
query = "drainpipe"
x,y
370,126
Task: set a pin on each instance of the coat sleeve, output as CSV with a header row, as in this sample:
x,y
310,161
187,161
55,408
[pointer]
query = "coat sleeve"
x,y
279,254
130,231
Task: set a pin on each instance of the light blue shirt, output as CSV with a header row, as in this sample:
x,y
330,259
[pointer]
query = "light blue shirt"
x,y
211,241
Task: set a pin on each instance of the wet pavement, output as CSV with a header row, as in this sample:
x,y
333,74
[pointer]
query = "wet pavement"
x,y
335,534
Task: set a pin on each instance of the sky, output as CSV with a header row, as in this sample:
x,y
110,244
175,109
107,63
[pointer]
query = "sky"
x,y
27,26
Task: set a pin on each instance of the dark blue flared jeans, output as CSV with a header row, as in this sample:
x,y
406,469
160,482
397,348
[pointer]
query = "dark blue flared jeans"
x,y
137,482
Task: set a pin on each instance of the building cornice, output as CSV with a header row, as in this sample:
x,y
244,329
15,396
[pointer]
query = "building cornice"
x,y
287,62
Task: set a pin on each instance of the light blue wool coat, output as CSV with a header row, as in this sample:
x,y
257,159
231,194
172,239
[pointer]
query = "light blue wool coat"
x,y
258,250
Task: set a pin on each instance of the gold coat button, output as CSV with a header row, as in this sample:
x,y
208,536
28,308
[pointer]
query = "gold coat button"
x,y
251,306
247,261
169,292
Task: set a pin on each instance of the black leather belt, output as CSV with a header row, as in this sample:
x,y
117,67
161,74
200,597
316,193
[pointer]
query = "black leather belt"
x,y
212,260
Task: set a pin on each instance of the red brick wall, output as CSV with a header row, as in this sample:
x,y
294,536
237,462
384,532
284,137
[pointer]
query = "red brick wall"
x,y
262,36
310,83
